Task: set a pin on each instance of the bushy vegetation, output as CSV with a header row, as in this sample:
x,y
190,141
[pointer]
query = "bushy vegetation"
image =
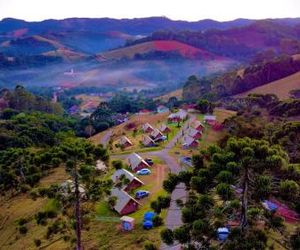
x,y
244,164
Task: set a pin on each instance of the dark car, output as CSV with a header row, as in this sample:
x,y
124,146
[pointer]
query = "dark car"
x,y
149,161
186,160
141,194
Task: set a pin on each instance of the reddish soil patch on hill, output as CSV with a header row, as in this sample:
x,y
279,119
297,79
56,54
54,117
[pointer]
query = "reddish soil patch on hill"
x,y
184,49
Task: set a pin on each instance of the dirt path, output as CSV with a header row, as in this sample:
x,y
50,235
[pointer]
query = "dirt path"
x,y
105,138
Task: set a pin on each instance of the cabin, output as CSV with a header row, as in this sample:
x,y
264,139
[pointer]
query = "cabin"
x,y
133,182
147,128
125,142
164,129
162,109
100,166
136,162
156,134
197,125
148,142
181,115
210,119
125,204
196,134
189,142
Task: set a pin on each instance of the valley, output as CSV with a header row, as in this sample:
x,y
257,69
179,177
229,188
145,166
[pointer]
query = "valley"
x,y
150,133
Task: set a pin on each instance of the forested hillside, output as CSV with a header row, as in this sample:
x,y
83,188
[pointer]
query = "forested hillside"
x,y
239,81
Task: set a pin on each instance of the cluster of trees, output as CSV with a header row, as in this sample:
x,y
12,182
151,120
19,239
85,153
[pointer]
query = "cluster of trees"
x,y
106,114
247,164
36,129
238,81
253,120
22,100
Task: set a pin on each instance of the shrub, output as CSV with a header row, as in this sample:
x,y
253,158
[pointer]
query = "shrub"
x,y
164,201
225,176
224,190
167,236
157,221
150,246
37,242
23,229
22,221
289,189
182,234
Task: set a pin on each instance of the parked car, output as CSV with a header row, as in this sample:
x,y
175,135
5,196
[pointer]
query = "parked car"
x,y
149,161
144,171
163,138
140,194
186,160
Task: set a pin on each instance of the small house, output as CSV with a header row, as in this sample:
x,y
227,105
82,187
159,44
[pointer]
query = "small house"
x,y
162,109
100,166
125,142
156,134
164,129
178,116
125,204
197,125
196,134
147,128
127,223
136,162
68,187
181,115
148,142
189,142
210,119
133,182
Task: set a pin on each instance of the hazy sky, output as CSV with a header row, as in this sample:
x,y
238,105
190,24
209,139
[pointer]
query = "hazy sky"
x,y
35,10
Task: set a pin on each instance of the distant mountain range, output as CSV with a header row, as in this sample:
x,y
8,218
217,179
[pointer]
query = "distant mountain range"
x,y
134,52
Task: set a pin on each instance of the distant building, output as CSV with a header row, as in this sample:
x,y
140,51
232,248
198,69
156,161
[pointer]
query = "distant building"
x,y
147,141
156,134
162,109
125,204
147,128
210,119
178,116
68,187
125,142
196,134
134,182
164,129
189,142
136,162
100,166
197,125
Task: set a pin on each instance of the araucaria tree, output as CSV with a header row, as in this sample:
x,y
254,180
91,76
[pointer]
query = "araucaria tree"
x,y
241,174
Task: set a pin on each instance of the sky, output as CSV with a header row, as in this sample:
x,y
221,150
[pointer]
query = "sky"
x,y
191,10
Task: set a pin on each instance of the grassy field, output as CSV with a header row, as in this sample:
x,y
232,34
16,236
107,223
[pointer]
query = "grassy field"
x,y
177,93
22,206
89,101
99,234
281,87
